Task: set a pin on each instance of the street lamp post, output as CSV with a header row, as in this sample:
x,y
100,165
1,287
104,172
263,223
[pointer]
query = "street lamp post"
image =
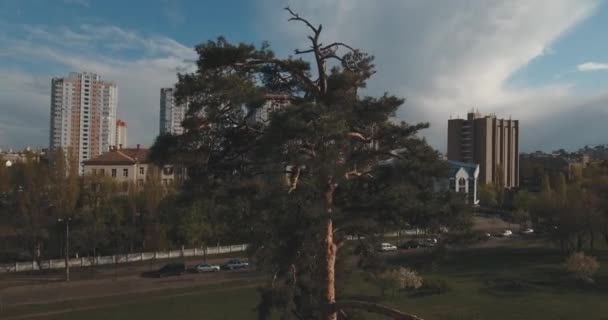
x,y
67,246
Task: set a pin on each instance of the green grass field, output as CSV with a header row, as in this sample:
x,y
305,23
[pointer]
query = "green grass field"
x,y
497,283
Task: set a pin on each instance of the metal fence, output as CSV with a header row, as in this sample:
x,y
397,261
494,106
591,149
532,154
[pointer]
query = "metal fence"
x,y
119,258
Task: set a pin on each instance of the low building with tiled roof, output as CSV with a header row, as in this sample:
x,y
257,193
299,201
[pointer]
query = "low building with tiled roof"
x,y
130,166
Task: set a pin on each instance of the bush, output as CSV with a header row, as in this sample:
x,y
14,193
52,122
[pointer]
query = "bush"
x,y
402,279
582,267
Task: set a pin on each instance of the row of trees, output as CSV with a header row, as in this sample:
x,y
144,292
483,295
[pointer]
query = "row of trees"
x,y
574,213
36,195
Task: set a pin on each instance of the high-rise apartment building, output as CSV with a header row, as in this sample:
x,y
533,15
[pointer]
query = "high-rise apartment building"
x,y
121,134
171,114
83,115
273,103
490,142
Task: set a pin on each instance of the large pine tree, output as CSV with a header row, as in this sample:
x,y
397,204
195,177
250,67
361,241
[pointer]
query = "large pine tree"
x,y
331,163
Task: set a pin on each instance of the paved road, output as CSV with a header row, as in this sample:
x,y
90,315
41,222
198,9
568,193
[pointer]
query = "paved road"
x,y
124,280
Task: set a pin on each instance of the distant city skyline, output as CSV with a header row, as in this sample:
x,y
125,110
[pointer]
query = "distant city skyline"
x,y
546,65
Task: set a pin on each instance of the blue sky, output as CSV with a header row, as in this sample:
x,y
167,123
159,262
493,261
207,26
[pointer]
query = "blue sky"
x,y
544,62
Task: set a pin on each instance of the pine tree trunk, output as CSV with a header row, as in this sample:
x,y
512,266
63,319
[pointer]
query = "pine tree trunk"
x,y
330,255
330,260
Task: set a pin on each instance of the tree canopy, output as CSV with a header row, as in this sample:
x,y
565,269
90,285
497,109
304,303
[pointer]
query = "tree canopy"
x,y
329,163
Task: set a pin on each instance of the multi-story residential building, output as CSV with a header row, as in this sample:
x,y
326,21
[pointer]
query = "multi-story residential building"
x,y
121,134
490,142
83,115
273,103
171,114
131,167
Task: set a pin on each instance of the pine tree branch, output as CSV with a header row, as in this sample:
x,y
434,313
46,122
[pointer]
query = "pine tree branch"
x,y
294,180
316,49
339,44
358,136
296,17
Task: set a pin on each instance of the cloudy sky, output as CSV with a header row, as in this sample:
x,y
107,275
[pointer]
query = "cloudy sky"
x,y
542,62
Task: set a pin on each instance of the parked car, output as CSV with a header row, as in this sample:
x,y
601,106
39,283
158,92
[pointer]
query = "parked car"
x,y
235,264
384,247
429,242
205,267
410,244
528,231
171,269
507,233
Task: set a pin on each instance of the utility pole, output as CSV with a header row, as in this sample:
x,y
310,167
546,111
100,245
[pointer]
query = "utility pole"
x,y
67,246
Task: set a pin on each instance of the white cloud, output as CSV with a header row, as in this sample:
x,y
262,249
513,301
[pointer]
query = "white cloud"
x,y
25,97
450,56
592,66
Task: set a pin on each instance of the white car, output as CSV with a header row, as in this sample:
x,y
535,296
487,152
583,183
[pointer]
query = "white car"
x,y
384,247
507,233
205,267
528,231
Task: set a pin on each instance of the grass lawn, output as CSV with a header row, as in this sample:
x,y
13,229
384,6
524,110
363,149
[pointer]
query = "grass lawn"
x,y
235,300
492,283
496,283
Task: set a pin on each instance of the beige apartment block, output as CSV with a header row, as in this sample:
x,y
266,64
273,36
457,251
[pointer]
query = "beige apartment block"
x,y
490,142
131,167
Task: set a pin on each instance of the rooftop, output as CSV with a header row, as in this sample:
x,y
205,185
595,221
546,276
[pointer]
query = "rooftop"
x,y
126,156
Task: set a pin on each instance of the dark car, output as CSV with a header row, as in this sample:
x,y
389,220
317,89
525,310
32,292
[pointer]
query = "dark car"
x,y
171,269
410,244
235,264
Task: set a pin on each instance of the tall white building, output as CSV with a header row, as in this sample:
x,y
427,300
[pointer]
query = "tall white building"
x,y
121,134
171,114
83,115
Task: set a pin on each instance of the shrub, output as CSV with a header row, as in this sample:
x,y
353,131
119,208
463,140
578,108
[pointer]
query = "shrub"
x,y
402,279
581,266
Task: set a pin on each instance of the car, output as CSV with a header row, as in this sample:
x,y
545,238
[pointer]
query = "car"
x,y
384,247
528,231
410,244
170,269
205,267
507,233
235,264
488,235
429,242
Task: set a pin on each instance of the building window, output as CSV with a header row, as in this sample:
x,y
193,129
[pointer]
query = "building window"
x,y
141,170
102,172
462,185
114,173
140,182
125,186
125,172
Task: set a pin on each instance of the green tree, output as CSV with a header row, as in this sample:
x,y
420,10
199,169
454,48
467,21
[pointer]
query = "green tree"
x,y
523,200
32,206
488,195
330,164
65,184
545,187
560,188
521,217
